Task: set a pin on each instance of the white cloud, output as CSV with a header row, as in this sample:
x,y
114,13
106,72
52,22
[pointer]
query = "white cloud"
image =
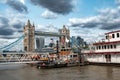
x,y
46,28
49,15
22,1
11,24
39,27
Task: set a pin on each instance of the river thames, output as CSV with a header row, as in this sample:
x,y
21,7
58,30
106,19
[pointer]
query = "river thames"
x,y
90,72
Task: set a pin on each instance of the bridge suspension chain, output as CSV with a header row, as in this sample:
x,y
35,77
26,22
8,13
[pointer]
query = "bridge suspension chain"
x,y
6,47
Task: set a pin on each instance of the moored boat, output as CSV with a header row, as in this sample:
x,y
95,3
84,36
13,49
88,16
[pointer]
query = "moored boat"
x,y
106,51
65,59
52,64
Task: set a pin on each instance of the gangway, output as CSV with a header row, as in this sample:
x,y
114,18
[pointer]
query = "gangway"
x,y
25,62
19,57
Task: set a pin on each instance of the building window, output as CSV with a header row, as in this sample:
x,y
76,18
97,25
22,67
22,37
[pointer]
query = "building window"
x,y
118,35
113,35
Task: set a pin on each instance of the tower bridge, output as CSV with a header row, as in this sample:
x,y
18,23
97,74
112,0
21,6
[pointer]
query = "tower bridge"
x,y
29,41
29,36
30,33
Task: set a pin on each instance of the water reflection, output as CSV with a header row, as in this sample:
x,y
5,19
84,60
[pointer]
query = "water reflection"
x,y
72,73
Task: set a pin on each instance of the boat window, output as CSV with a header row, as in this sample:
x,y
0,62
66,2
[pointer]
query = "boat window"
x,y
104,46
74,55
118,35
113,35
114,46
70,55
108,46
99,47
106,37
111,46
43,56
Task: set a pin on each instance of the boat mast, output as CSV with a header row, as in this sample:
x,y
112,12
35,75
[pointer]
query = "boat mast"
x,y
57,46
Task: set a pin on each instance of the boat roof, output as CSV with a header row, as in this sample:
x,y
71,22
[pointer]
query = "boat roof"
x,y
112,32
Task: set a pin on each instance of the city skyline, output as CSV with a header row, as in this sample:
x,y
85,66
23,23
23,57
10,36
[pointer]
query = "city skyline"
x,y
89,19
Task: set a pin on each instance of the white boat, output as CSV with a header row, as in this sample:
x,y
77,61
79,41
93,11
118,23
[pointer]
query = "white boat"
x,y
106,51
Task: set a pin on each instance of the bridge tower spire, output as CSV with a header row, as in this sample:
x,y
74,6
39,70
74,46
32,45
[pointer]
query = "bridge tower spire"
x,y
29,32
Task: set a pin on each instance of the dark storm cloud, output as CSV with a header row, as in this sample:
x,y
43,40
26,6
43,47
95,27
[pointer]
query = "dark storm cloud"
x,y
20,31
6,31
110,26
17,5
100,25
8,28
90,25
18,25
56,6
4,20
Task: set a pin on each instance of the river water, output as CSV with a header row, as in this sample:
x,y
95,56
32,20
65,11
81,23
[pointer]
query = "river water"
x,y
90,72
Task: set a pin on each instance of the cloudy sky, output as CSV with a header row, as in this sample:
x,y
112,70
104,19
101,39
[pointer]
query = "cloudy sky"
x,y
89,19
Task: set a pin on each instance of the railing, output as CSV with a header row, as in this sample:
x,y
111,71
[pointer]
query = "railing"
x,y
17,57
87,51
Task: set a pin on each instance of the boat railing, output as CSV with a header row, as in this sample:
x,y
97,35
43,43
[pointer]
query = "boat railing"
x,y
87,51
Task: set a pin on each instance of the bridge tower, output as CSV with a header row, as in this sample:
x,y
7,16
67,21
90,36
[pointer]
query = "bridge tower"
x,y
29,32
64,40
